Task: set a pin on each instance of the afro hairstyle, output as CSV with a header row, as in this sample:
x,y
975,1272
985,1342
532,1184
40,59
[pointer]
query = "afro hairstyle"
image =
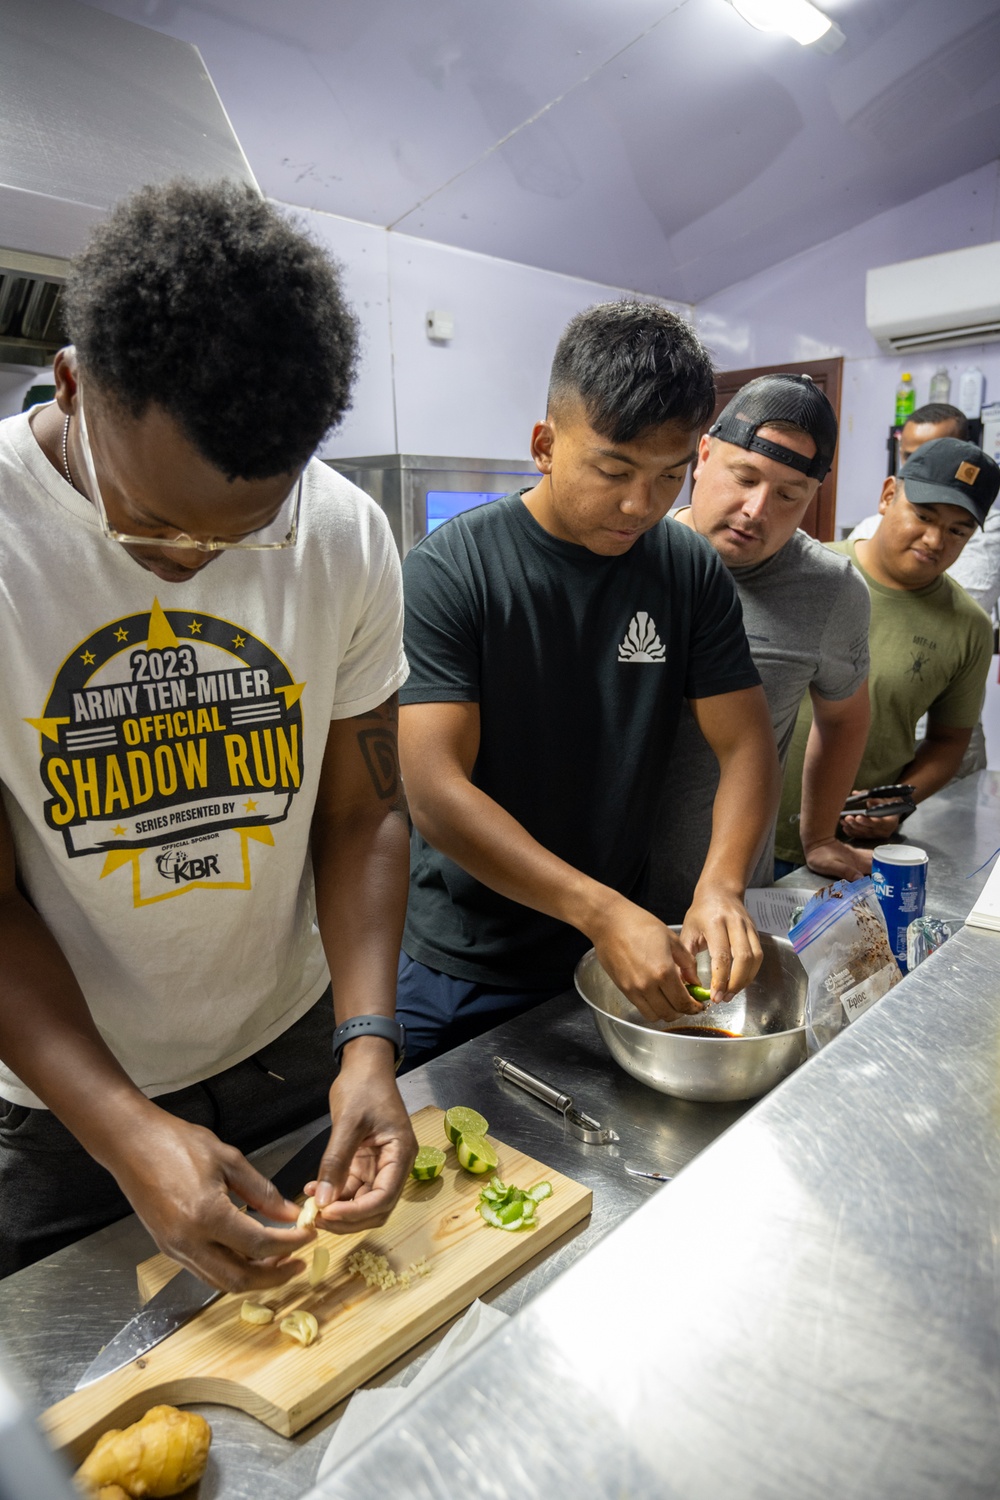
x,y
203,299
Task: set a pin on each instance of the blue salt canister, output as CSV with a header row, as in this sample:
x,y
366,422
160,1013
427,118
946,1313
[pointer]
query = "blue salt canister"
x,y
899,874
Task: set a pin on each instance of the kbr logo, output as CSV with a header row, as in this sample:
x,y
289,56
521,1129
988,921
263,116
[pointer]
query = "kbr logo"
x,y
174,865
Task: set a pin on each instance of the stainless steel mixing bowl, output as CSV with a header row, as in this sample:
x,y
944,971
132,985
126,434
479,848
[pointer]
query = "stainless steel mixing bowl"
x,y
768,1018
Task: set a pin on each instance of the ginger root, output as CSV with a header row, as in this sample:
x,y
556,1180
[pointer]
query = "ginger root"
x,y
162,1454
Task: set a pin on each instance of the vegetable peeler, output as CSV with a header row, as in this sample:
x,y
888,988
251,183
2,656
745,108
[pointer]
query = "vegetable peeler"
x,y
582,1126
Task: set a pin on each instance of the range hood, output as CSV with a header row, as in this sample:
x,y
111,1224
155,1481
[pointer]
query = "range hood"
x,y
91,108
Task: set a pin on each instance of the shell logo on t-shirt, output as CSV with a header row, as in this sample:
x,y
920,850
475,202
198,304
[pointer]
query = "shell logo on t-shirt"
x,y
641,641
170,742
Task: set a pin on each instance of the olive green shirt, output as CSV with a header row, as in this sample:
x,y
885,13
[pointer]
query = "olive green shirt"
x,y
930,653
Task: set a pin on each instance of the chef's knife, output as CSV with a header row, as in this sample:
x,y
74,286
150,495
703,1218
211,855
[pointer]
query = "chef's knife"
x,y
185,1294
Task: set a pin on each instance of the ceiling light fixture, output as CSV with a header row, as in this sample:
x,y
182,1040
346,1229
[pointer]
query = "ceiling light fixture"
x,y
798,19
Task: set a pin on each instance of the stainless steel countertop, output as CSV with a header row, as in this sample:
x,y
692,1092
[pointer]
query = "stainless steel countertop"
x,y
812,1309
825,1271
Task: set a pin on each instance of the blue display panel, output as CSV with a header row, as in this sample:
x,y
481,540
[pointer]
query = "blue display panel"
x,y
443,504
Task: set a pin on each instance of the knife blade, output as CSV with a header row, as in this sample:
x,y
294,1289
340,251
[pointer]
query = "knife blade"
x,y
186,1294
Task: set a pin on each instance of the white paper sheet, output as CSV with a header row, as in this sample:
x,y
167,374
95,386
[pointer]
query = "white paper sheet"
x,y
771,907
368,1410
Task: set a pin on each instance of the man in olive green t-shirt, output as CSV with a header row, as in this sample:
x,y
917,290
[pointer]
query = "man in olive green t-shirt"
x,y
930,643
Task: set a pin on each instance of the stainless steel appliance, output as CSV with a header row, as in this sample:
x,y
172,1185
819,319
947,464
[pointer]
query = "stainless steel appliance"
x,y
419,493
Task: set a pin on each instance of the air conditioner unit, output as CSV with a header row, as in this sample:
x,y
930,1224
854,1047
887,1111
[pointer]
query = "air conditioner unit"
x,y
936,302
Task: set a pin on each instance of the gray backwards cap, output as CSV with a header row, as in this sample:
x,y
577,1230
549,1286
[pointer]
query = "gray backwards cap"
x,y
781,398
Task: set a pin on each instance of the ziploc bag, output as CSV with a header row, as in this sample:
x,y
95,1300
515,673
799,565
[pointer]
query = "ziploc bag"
x,y
843,944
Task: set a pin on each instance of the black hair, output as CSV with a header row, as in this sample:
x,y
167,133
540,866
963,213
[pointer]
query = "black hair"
x,y
635,366
203,299
940,411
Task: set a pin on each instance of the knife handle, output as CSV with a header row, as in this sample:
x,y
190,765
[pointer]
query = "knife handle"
x,y
537,1087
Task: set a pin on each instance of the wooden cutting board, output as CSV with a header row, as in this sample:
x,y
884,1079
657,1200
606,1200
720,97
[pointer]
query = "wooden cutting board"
x,y
216,1357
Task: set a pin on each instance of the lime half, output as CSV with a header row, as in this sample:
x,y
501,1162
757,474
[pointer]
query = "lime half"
x,y
475,1154
459,1121
429,1164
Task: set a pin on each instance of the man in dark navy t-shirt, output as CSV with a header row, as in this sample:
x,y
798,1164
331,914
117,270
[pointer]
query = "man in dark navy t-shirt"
x,y
552,638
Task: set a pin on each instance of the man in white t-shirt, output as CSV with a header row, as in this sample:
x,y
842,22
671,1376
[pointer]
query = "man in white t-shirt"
x,y
201,806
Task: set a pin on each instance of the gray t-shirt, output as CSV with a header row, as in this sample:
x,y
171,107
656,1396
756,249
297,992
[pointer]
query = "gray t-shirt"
x,y
806,621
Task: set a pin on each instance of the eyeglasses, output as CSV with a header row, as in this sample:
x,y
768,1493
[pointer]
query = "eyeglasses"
x,y
181,539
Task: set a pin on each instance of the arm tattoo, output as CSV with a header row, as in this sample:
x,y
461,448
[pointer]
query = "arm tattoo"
x,y
377,741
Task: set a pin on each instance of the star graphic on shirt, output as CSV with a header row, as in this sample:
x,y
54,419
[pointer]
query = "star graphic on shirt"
x,y
195,627
88,658
121,634
118,832
249,805
239,641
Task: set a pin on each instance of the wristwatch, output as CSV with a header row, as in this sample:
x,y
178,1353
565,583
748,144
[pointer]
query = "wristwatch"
x,y
357,1026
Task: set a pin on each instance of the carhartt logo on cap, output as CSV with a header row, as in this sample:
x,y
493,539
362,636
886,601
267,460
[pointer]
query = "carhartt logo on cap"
x,y
967,473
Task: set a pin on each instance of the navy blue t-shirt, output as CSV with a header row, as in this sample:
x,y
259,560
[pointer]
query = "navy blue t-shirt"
x,y
579,664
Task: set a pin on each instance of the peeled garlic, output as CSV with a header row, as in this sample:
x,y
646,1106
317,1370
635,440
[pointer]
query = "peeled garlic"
x,y
300,1325
254,1312
319,1265
307,1214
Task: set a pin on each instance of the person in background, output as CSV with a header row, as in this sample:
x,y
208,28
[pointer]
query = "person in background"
x,y
936,419
202,649
930,643
552,637
977,568
806,616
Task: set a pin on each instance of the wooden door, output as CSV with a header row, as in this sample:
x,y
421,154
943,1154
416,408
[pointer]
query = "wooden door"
x,y
819,519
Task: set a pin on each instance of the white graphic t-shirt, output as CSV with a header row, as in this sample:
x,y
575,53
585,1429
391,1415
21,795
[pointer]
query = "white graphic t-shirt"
x,y
160,751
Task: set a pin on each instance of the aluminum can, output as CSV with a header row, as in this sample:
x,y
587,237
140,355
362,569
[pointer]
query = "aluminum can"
x,y
899,874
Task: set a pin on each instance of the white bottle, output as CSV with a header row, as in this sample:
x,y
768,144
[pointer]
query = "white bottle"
x,y
941,385
971,390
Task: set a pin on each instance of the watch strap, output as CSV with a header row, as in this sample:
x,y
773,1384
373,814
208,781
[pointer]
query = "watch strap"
x,y
383,1026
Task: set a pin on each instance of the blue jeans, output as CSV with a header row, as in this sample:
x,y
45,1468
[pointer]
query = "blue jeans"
x,y
440,1012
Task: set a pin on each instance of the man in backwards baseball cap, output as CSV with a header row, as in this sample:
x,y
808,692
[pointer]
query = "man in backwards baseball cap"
x,y
931,644
806,617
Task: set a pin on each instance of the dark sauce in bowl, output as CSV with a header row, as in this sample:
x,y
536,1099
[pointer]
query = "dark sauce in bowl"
x,y
701,1031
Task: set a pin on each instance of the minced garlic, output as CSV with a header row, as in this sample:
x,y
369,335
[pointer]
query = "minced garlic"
x,y
375,1270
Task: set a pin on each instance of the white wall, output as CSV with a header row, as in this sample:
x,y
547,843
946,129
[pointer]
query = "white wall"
x,y
476,396
812,306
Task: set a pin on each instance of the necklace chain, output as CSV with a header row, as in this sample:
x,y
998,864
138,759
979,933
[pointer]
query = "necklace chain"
x,y
65,453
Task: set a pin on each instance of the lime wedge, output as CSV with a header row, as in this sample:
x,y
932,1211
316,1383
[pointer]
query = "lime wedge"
x,y
460,1121
429,1164
475,1154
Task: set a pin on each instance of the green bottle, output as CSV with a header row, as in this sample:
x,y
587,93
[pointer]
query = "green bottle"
x,y
906,398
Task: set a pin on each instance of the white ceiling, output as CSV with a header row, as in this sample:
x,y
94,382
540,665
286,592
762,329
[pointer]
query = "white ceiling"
x,y
662,145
